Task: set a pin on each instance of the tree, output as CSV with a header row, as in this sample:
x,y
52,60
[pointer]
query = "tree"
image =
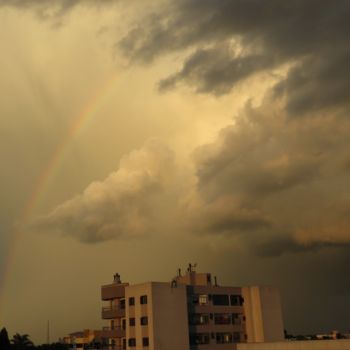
x,y
21,341
4,340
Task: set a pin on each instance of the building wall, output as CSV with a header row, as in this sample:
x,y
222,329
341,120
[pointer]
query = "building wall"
x,y
170,321
299,345
263,312
137,311
166,310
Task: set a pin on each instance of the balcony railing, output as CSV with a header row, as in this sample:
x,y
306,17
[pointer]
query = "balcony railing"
x,y
113,332
111,312
113,291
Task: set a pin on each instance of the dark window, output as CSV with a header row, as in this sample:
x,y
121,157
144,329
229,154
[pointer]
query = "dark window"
x,y
124,324
223,338
222,318
199,338
236,300
197,319
132,321
236,337
124,344
131,302
220,299
144,321
122,303
145,341
237,318
132,342
143,299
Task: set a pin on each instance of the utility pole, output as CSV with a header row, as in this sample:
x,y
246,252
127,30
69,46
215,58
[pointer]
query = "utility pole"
x,y
48,332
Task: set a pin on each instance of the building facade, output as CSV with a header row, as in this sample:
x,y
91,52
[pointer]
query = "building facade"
x,y
191,312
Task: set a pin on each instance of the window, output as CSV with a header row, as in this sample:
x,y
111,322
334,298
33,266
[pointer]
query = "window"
x,y
236,300
203,299
124,324
131,321
237,318
220,299
223,338
144,321
236,337
131,301
222,319
122,303
199,338
145,341
143,299
132,342
198,319
124,344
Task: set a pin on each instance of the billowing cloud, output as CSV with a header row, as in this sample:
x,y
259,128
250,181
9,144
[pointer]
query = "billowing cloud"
x,y
225,42
292,172
131,202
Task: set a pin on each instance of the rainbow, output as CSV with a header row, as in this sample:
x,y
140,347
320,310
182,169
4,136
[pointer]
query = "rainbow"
x,y
87,113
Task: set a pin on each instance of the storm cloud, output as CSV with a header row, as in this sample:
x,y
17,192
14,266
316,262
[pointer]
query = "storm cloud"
x,y
225,42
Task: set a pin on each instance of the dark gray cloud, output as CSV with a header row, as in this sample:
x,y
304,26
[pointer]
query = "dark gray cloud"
x,y
291,172
230,40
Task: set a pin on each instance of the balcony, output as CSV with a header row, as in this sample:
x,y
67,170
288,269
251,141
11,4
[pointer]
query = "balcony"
x,y
113,291
114,332
111,312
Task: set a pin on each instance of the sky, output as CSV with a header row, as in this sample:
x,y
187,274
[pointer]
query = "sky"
x,y
138,136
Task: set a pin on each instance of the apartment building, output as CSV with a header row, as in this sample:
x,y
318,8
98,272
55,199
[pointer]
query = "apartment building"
x,y
191,312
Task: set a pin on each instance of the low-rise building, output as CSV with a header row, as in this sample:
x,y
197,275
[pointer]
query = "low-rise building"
x,y
192,312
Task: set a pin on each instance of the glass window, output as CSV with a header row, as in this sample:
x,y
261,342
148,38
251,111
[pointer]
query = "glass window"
x,y
131,301
199,338
132,321
237,318
220,299
132,342
197,319
124,324
145,341
236,300
144,321
223,338
222,319
236,337
143,299
203,299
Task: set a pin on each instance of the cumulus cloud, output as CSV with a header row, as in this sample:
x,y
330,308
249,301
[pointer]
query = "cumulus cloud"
x,y
291,173
127,203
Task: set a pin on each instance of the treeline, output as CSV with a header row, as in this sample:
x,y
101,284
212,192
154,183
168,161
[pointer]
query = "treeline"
x,y
23,342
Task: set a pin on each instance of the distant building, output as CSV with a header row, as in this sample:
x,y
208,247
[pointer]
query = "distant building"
x,y
86,339
192,312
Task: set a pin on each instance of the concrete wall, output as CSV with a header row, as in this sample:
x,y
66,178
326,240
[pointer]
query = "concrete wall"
x,y
262,306
299,345
170,320
166,310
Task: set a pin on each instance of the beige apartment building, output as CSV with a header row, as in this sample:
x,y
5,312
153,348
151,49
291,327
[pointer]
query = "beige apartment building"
x,y
191,312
